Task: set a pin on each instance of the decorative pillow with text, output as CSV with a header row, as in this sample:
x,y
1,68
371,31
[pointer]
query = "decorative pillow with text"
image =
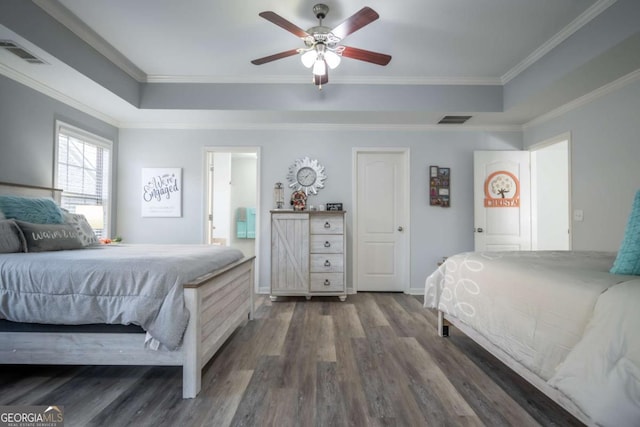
x,y
49,237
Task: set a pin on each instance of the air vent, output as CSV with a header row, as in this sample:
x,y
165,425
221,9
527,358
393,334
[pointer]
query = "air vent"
x,y
453,120
20,52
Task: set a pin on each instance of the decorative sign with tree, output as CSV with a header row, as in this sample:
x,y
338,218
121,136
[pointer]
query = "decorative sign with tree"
x,y
501,190
439,186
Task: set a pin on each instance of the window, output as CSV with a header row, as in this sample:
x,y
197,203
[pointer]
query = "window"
x,y
82,171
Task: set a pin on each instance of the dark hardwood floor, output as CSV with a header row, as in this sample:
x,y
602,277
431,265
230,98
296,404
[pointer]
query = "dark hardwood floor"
x,y
373,360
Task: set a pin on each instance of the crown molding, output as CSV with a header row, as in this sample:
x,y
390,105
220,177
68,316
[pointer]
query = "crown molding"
x,y
584,18
53,93
64,16
585,99
335,79
327,127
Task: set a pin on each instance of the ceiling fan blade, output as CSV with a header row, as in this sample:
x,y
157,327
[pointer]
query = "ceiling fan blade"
x,y
283,23
363,17
366,55
275,56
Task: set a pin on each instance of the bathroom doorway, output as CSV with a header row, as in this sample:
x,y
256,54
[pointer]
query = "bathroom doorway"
x,y
232,197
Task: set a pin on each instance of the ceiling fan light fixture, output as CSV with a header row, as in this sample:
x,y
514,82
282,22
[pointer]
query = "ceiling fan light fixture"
x,y
332,58
309,58
320,67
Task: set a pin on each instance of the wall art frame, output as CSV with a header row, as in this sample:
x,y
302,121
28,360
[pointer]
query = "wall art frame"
x,y
161,195
439,186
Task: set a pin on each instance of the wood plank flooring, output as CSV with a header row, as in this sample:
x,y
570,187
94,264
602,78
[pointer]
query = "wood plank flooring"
x,y
373,360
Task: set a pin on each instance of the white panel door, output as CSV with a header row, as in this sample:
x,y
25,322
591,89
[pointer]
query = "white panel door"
x,y
382,222
502,200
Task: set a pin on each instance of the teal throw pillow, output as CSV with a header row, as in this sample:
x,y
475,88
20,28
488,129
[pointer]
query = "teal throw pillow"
x,y
37,210
628,258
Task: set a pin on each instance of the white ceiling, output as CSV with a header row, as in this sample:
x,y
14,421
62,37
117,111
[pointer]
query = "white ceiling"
x,y
439,42
428,39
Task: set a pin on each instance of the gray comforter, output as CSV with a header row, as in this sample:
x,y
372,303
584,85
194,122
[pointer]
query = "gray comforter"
x,y
115,284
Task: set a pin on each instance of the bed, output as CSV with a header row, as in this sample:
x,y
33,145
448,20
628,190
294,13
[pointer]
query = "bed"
x,y
182,303
559,319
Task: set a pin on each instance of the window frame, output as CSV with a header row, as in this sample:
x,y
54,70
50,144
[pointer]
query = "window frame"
x,y
90,138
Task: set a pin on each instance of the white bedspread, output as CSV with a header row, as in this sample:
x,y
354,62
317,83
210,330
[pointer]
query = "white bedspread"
x,y
115,284
533,305
602,372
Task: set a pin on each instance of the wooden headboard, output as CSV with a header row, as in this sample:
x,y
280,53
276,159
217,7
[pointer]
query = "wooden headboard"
x,y
10,189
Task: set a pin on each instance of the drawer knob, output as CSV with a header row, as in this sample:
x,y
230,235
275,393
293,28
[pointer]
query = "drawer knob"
x,y
327,263
327,282
327,244
327,225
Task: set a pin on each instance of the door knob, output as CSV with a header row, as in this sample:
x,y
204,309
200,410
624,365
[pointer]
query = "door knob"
x,y
479,230
400,228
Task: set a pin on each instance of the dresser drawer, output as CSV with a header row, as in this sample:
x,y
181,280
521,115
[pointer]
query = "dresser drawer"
x,y
327,263
327,224
327,244
327,282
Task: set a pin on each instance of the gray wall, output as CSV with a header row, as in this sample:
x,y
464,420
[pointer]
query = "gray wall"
x,y
436,232
605,163
27,134
605,173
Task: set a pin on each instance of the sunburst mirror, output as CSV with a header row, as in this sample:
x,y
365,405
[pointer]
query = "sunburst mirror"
x,y
306,175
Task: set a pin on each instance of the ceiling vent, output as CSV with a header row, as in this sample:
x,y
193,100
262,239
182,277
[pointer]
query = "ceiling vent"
x,y
20,52
453,120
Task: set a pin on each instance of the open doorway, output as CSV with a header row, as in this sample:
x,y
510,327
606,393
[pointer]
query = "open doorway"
x,y
551,194
232,197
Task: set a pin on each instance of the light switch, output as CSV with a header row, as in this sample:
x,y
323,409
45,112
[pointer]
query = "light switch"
x,y
578,215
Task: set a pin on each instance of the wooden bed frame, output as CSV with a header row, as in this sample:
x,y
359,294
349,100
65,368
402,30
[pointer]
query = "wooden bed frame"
x,y
445,321
218,302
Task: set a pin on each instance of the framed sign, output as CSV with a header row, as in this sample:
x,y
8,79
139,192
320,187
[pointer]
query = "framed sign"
x,y
161,192
334,206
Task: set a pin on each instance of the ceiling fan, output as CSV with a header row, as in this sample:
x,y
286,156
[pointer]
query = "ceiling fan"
x,y
322,44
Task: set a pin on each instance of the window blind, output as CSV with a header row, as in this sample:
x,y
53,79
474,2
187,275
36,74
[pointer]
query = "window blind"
x,y
83,164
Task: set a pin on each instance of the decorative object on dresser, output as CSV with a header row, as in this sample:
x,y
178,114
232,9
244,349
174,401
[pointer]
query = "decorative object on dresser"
x,y
439,186
298,200
334,206
308,254
278,196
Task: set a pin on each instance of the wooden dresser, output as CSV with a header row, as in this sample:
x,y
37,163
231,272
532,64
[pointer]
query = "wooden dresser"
x,y
308,254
